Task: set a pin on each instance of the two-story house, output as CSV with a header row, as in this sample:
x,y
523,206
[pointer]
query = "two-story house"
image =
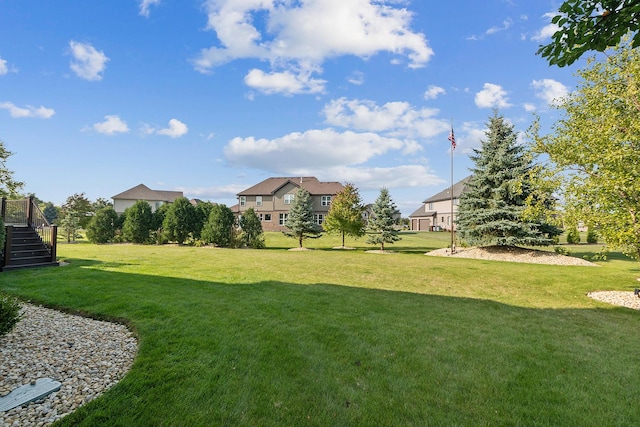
x,y
272,198
155,198
435,213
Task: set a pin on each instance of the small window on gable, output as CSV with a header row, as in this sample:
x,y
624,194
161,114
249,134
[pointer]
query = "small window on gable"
x,y
325,200
243,200
258,200
289,198
430,206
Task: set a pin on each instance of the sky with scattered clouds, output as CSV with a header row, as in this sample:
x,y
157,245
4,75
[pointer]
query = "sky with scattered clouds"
x,y
210,97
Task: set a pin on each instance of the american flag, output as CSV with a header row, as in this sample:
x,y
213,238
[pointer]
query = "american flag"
x,y
452,138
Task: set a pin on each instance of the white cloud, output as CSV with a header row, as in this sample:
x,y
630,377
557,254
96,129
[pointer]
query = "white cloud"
x,y
176,129
432,92
550,90
111,125
374,178
145,5
547,31
27,111
356,78
3,67
286,83
215,192
492,96
529,107
88,63
297,37
312,150
506,24
395,119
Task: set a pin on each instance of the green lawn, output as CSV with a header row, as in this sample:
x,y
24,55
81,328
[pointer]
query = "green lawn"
x,y
333,337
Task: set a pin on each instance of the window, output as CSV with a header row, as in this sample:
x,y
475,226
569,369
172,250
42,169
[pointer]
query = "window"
x,y
319,218
283,218
430,206
258,200
325,201
243,200
456,202
261,218
267,217
289,198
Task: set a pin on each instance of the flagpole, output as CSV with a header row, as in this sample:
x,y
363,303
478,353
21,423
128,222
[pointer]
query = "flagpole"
x,y
453,147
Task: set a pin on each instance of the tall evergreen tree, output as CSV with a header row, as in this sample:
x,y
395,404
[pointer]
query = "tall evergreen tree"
x,y
180,220
9,187
345,214
300,221
381,227
492,208
137,222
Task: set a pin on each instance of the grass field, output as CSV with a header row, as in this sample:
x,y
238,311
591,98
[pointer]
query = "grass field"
x,y
336,337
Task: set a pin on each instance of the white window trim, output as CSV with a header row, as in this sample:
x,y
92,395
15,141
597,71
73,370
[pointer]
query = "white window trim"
x,y
243,201
258,200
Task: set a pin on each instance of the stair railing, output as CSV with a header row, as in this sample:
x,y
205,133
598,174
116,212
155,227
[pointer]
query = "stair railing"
x,y
26,212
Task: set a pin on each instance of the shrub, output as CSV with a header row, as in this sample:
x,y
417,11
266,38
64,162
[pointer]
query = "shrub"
x,y
592,236
573,237
562,251
9,314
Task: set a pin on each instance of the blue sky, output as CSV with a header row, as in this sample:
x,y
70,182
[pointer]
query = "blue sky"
x,y
211,97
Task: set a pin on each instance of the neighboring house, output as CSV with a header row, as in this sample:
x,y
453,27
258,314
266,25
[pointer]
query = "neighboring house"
x,y
155,198
435,213
272,198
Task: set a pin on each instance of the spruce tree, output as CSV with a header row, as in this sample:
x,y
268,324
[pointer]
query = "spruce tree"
x,y
492,207
381,226
345,214
300,221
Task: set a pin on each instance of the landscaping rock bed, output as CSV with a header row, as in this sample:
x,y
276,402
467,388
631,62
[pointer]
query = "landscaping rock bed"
x,y
87,356
513,254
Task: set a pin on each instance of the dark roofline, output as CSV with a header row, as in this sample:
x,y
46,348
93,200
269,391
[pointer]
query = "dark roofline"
x,y
458,189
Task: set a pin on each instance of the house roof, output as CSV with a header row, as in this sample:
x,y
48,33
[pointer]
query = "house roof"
x,y
311,184
445,194
142,192
421,212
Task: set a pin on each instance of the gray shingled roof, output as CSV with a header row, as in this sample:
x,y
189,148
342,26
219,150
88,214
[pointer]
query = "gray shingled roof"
x,y
142,192
420,212
445,194
311,184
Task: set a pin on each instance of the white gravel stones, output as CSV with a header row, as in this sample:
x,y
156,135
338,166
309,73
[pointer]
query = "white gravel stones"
x,y
624,299
87,356
513,254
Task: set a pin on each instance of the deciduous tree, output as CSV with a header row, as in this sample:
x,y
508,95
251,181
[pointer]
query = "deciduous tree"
x,y
596,147
345,214
300,222
137,222
381,226
219,228
591,25
252,234
179,222
9,187
102,227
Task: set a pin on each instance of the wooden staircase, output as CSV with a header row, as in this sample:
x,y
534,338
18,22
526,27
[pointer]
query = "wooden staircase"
x,y
29,239
27,250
